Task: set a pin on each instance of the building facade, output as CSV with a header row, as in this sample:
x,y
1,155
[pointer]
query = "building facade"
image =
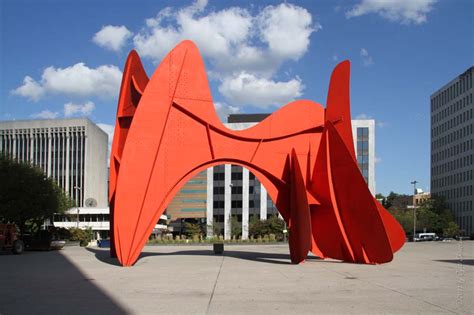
x,y
71,151
234,192
96,219
188,203
452,150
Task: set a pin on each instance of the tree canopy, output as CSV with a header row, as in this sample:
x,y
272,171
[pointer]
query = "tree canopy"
x,y
433,215
27,196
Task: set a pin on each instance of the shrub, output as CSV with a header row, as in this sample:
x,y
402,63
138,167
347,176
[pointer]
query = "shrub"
x,y
273,225
83,236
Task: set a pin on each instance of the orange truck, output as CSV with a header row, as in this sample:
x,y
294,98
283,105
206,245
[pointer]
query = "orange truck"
x,y
9,239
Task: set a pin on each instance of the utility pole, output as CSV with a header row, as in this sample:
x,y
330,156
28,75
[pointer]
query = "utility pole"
x,y
414,208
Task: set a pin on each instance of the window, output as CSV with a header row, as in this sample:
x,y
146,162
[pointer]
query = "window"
x,y
218,204
219,176
236,176
219,190
236,189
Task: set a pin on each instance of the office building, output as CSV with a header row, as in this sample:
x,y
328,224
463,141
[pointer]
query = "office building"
x,y
71,151
452,148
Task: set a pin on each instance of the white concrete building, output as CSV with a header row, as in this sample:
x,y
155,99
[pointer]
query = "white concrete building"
x,y
363,132
97,219
233,191
72,151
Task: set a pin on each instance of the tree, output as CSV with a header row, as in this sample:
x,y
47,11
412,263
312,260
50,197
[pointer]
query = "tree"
x,y
405,218
216,228
83,236
27,196
451,230
273,225
397,201
433,215
235,227
192,229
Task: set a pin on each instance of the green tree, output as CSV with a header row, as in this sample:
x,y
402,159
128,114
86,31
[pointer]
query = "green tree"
x,y
83,236
27,196
433,215
235,227
451,230
257,227
405,218
216,228
273,225
192,229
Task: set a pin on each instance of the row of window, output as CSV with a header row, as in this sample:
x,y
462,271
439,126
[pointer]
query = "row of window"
x,y
454,150
220,190
451,109
41,132
219,218
234,176
452,179
461,206
458,192
465,223
235,204
453,122
462,85
451,137
452,165
101,217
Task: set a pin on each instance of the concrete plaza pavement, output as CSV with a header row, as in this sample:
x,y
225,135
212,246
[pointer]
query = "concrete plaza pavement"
x,y
424,278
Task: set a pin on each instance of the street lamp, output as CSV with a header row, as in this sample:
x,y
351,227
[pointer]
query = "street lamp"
x,y
76,188
414,208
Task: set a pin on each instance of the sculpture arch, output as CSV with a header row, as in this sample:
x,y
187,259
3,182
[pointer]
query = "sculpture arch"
x,y
167,131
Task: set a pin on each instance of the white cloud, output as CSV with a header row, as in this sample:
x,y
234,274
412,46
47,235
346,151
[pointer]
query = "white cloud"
x,y
85,109
237,45
286,29
404,11
223,110
30,89
231,38
247,89
46,114
109,130
112,37
76,80
366,58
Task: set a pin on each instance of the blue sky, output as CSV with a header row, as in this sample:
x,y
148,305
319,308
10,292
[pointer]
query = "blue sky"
x,y
64,59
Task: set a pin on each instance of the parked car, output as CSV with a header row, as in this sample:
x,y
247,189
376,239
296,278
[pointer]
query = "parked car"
x,y
448,239
40,241
9,239
422,237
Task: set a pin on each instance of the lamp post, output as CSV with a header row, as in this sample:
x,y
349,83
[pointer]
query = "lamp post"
x,y
414,208
76,188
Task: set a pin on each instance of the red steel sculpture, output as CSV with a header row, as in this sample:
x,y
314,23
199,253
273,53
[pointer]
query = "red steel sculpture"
x,y
167,131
